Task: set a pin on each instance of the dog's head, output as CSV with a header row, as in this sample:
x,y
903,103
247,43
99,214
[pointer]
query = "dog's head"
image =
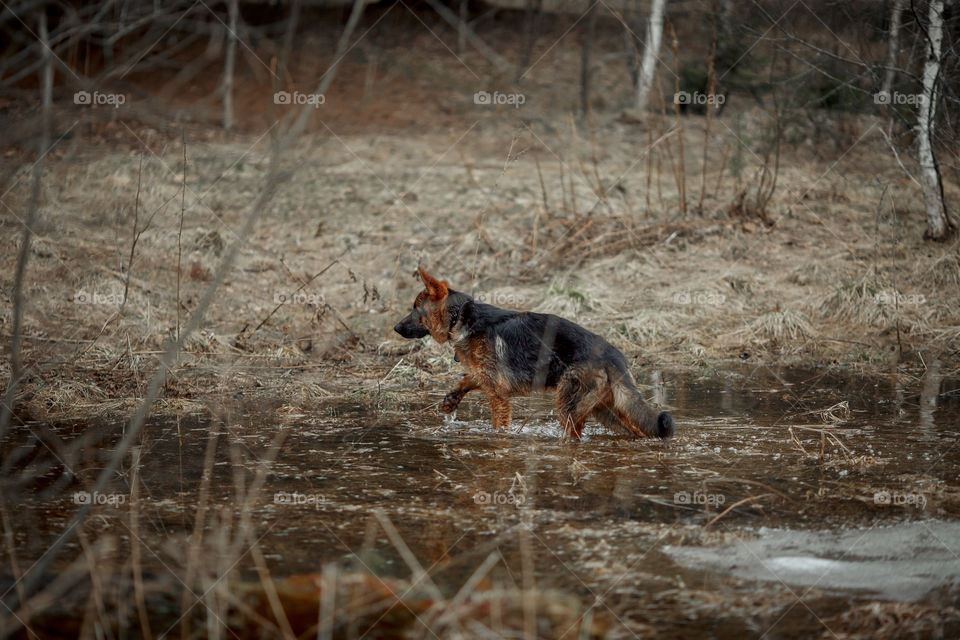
x,y
431,312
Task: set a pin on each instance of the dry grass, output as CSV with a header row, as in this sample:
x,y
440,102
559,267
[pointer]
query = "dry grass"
x,y
944,271
891,620
673,293
787,325
857,302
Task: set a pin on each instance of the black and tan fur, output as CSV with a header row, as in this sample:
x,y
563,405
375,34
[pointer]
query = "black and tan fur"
x,y
512,353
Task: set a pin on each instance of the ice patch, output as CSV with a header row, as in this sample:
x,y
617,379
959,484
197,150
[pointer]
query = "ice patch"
x,y
903,562
804,564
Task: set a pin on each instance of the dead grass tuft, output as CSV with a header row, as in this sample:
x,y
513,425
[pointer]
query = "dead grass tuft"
x,y
781,325
943,271
205,342
649,327
68,396
876,302
856,301
570,297
808,274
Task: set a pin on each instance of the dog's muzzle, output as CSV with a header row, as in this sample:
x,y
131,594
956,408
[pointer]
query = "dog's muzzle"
x,y
411,329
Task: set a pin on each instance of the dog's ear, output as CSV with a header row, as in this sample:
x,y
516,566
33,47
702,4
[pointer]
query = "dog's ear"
x,y
436,289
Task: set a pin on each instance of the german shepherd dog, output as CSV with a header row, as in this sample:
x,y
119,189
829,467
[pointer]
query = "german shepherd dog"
x,y
512,353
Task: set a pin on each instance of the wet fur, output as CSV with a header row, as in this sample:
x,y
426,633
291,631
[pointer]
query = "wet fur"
x,y
511,353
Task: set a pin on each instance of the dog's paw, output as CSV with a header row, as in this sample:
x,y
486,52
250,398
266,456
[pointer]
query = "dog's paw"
x,y
450,402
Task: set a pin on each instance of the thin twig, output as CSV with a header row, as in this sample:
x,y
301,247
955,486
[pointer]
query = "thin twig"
x,y
297,128
183,197
135,236
454,21
711,92
16,364
731,507
270,591
419,573
299,289
135,543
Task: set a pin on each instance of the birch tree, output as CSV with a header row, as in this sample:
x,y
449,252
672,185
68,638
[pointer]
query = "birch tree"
x,y
651,50
939,225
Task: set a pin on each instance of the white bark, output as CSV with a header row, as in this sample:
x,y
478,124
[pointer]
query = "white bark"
x,y
938,224
893,46
651,50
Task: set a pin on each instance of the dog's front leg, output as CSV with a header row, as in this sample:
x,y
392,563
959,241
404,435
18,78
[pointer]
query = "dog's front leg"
x,y
452,400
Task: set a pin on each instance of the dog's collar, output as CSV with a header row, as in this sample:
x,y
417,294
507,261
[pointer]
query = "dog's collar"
x,y
455,315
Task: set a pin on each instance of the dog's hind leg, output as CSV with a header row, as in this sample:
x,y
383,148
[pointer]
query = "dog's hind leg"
x,y
578,394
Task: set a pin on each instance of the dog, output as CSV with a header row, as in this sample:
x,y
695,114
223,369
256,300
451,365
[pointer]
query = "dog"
x,y
513,353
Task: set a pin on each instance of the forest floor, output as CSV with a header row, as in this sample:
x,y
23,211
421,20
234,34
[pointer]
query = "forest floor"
x,y
528,207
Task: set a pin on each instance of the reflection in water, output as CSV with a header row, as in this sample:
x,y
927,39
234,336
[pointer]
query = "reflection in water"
x,y
659,389
929,392
598,512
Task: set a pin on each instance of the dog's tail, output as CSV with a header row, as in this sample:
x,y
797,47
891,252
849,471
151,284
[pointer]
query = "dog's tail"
x,y
636,415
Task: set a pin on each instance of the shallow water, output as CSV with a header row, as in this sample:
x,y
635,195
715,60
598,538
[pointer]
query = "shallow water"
x,y
758,450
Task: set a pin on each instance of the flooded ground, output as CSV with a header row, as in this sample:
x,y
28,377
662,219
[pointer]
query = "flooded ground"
x,y
791,503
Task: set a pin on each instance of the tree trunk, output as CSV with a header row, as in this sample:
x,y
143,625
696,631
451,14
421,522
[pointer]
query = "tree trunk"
x,y
229,65
728,54
462,29
726,21
939,225
591,28
893,46
650,51
534,23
